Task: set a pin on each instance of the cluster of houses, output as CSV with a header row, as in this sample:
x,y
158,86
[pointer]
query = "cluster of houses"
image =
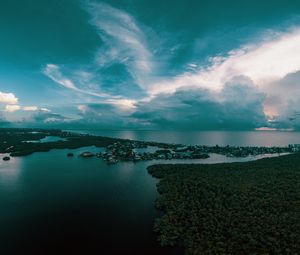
x,y
240,151
133,151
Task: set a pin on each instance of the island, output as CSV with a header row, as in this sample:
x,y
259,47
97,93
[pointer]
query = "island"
x,y
230,208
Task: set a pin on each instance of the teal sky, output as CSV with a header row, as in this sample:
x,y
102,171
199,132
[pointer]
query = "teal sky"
x,y
148,64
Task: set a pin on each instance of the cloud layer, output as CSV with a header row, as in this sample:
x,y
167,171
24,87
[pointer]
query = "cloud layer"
x,y
127,82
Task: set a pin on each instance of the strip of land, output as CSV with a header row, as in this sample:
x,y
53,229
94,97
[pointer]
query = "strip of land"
x,y
22,142
236,208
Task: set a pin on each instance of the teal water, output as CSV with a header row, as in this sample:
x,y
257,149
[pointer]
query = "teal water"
x,y
52,204
48,139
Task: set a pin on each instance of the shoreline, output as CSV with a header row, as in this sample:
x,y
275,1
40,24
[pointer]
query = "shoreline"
x,y
22,142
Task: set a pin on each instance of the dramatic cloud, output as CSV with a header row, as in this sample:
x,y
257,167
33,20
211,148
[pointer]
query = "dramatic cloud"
x,y
283,102
8,98
192,109
252,86
265,61
237,106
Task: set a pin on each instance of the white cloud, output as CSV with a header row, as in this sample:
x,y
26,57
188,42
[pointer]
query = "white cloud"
x,y
54,73
264,62
12,108
16,107
123,104
52,119
30,108
8,98
45,110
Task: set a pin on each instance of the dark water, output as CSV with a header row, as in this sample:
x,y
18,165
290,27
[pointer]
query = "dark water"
x,y
249,138
51,204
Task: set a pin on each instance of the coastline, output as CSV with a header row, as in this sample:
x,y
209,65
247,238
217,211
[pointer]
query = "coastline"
x,y
22,142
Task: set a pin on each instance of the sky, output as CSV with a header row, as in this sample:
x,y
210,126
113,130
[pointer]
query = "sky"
x,y
150,65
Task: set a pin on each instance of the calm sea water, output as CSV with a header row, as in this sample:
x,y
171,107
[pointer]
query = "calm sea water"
x,y
52,204
241,138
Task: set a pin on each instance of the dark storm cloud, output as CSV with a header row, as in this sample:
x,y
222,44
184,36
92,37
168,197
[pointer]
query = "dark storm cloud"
x,y
47,117
238,106
284,99
101,115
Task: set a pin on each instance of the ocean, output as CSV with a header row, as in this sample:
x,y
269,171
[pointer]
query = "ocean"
x,y
222,138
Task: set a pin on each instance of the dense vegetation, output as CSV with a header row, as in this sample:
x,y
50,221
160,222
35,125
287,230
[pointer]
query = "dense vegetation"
x,y
237,208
